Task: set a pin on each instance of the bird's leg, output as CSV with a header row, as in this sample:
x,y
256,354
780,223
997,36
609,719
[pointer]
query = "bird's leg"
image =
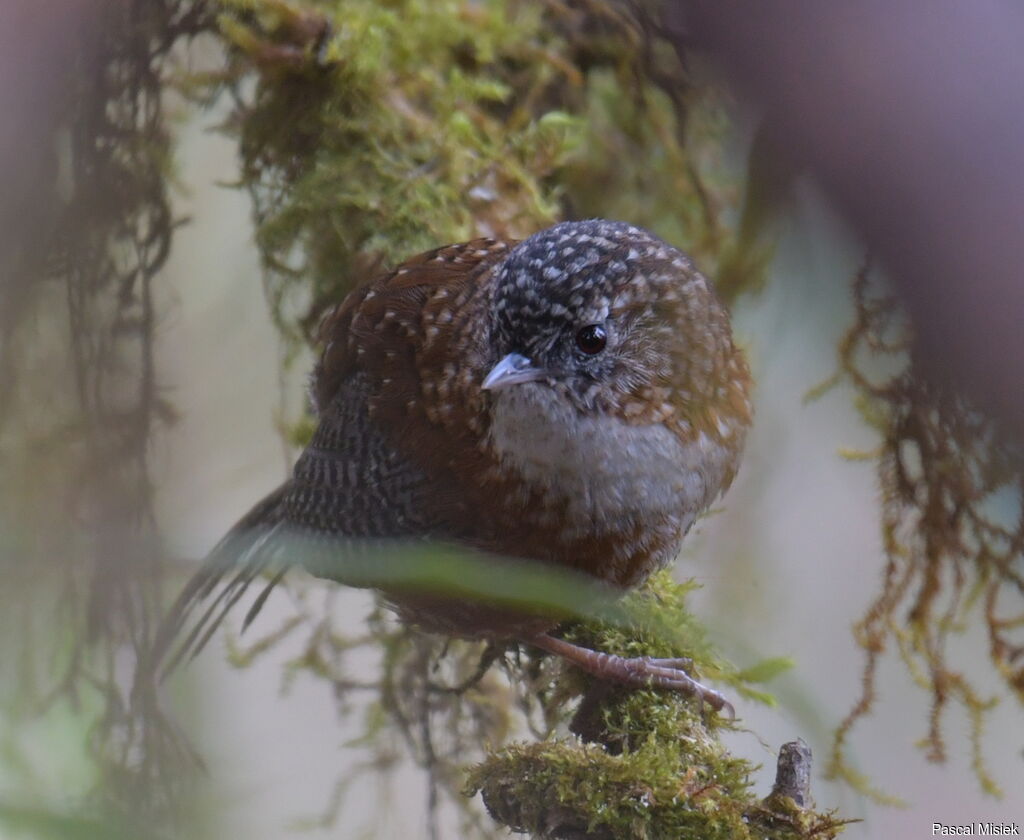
x,y
638,672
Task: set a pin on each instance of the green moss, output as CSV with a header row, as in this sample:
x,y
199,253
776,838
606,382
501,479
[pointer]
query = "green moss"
x,y
677,783
642,764
661,625
641,793
408,126
375,131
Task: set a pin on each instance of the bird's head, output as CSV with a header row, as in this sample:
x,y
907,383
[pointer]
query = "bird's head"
x,y
608,318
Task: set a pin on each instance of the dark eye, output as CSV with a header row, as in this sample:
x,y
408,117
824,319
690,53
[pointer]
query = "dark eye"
x,y
591,340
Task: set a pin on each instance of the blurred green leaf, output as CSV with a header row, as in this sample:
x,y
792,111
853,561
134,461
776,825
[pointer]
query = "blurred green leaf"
x,y
766,669
41,822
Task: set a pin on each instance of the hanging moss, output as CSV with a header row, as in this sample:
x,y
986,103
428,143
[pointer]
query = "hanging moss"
x,y
952,509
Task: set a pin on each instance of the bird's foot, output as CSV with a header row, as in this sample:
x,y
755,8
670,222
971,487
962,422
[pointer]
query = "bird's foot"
x,y
637,672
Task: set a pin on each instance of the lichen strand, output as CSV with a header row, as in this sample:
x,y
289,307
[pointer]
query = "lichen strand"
x,y
377,130
952,493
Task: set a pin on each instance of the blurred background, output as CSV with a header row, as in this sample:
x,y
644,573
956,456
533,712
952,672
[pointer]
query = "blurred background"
x,y
188,185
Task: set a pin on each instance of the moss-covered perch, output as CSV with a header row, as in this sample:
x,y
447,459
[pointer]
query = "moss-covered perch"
x,y
564,790
644,764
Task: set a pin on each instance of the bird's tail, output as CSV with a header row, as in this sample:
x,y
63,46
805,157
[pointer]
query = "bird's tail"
x,y
246,552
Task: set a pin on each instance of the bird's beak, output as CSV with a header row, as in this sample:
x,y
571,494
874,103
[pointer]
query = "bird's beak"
x,y
512,370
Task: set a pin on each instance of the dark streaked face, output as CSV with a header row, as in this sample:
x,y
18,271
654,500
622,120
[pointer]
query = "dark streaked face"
x,y
588,308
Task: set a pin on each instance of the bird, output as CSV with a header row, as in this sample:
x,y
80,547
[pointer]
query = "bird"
x,y
574,398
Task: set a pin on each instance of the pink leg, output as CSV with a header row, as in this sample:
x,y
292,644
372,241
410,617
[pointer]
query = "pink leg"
x,y
639,672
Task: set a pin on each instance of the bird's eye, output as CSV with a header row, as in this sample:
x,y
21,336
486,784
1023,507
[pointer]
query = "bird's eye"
x,y
592,339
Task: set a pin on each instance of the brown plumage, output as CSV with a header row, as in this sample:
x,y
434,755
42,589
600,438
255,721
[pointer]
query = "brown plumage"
x,y
574,399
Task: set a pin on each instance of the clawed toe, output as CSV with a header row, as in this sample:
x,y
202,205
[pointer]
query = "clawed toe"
x,y
639,672
678,663
647,671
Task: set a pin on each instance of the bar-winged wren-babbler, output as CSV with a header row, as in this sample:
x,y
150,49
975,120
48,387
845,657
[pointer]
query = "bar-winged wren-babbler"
x,y
574,398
